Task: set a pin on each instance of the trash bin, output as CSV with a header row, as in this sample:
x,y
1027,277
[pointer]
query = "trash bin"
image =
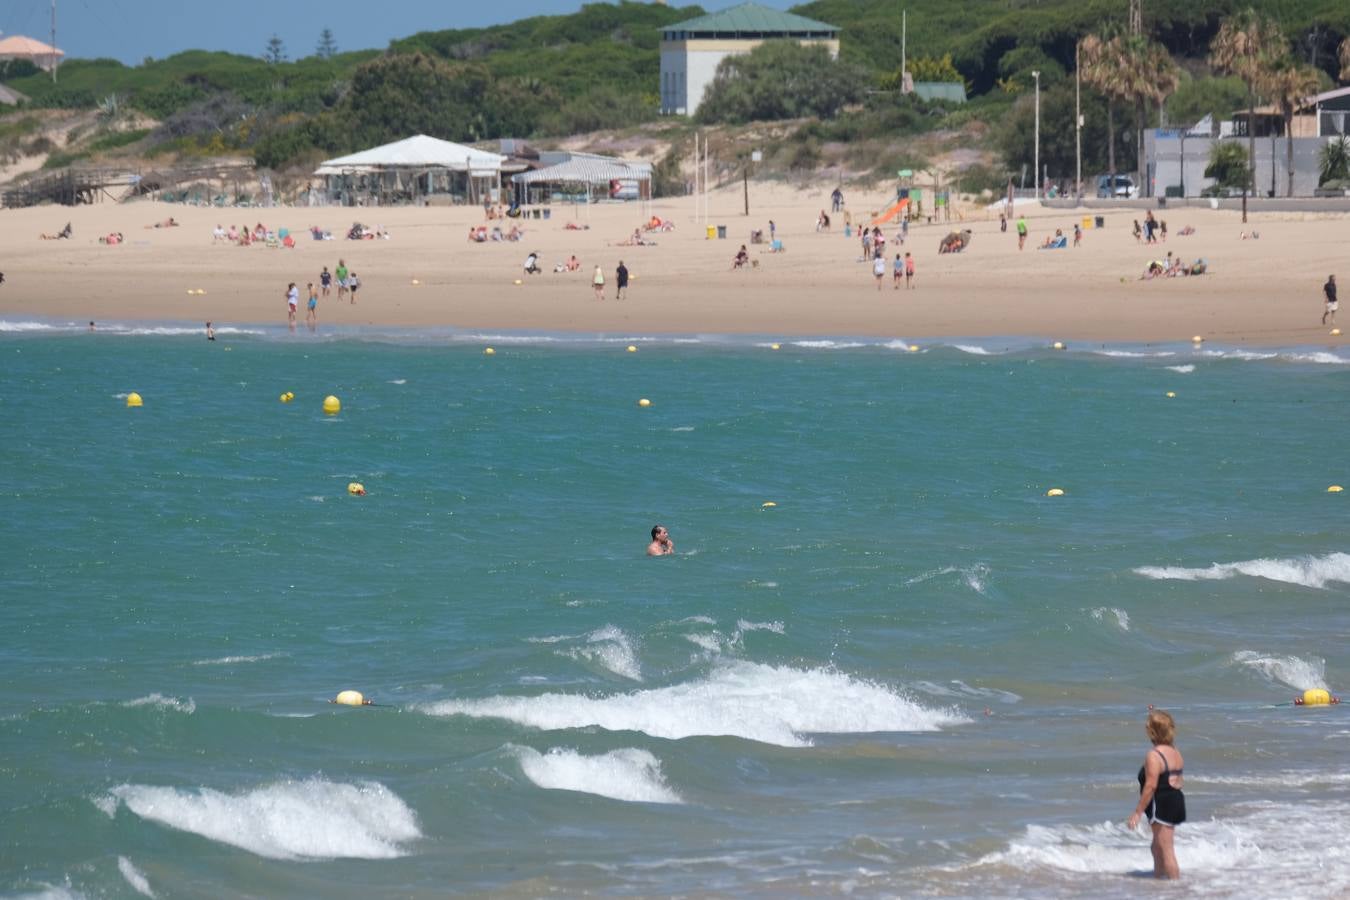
x,y
712,232
1087,222
721,232
1099,222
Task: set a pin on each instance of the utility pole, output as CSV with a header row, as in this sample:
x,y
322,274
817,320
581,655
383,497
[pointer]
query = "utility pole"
x,y
904,35
56,60
1036,164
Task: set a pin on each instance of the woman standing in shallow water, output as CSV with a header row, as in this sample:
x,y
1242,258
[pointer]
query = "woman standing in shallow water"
x,y
1160,796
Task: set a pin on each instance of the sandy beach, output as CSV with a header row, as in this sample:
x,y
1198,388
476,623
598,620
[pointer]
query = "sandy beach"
x,y
1264,292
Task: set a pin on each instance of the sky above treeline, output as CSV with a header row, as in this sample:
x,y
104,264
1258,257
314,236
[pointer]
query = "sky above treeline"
x,y
131,30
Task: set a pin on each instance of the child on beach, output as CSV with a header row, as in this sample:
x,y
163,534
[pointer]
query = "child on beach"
x,y
312,308
898,273
1077,234
352,284
909,272
879,270
341,278
598,282
210,332
326,280
292,301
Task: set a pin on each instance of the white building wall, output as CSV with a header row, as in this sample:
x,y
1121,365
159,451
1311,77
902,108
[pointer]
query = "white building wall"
x,y
702,66
674,76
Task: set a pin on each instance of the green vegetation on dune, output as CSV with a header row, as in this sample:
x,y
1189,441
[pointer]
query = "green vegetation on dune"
x,y
598,68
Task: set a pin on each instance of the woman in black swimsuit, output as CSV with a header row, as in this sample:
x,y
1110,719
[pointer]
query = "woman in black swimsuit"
x,y
1160,796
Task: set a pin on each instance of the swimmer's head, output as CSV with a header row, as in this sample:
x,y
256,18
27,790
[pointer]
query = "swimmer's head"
x,y
1161,727
658,532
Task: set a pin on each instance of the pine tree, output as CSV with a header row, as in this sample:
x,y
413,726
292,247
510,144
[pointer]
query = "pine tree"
x,y
275,52
327,47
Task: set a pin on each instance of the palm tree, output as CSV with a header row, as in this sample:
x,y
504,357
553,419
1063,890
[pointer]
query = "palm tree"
x,y
1149,76
1103,70
1243,47
1288,84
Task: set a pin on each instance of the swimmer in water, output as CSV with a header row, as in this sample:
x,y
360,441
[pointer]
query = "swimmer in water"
x,y
210,332
661,544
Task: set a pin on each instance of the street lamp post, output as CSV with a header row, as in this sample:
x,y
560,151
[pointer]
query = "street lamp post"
x,y
1037,169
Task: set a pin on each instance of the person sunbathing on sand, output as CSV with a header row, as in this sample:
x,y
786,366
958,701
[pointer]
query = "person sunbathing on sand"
x,y
63,233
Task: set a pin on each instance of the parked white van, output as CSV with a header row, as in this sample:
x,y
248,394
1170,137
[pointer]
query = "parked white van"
x,y
1124,188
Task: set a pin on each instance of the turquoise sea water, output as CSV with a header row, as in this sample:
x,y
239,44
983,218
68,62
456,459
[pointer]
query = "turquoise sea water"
x,y
915,675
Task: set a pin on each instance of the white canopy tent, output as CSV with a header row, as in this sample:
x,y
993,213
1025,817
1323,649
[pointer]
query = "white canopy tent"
x,y
601,176
415,167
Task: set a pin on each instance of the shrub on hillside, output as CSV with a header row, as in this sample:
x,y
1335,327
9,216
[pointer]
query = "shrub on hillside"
x,y
780,80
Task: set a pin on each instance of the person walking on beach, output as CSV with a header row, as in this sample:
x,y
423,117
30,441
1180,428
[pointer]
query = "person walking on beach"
x,y
1160,796
325,281
620,280
661,544
897,272
312,308
341,274
1077,234
909,272
352,284
598,282
1329,289
292,301
879,269
1021,232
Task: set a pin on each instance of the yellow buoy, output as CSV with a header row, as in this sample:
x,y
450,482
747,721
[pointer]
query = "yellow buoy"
x,y
1316,697
518,281
332,405
190,292
134,399
488,351
287,397
352,698
913,348
632,349
773,347
768,504
415,281
1171,393
644,402
1058,345
1334,489
1055,492
1335,332
1197,339
356,488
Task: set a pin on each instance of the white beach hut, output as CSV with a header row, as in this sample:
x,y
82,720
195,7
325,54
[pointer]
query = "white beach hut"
x,y
412,169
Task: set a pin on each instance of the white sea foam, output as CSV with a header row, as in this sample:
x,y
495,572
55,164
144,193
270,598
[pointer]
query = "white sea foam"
x,y
828,345
702,620
1184,370
1319,357
1263,849
775,627
1135,354
625,774
710,642
975,576
612,649
551,639
398,381
1111,613
974,349
683,428
959,689
1290,779
771,704
312,819
1308,571
52,892
234,660
159,701
1290,671
134,876
6,325
1248,355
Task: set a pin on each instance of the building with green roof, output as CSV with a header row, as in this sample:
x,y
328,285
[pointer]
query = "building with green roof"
x,y
691,50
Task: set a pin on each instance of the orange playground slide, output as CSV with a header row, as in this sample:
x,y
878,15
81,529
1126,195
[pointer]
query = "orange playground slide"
x,y
891,213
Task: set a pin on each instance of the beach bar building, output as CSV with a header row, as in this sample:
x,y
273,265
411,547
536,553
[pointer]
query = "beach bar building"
x,y
414,170
44,56
691,50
